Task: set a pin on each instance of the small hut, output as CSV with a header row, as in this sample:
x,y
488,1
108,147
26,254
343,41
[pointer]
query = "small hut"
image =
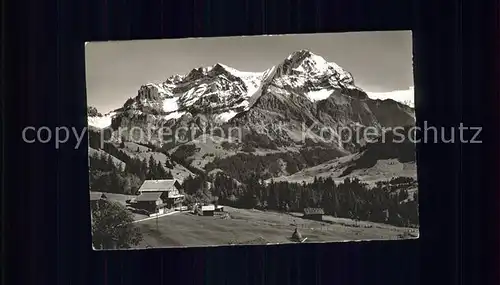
x,y
314,214
207,210
204,210
297,236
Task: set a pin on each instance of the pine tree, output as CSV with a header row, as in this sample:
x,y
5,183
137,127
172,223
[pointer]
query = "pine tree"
x,y
109,163
168,164
272,197
327,202
143,169
114,182
151,173
160,171
304,199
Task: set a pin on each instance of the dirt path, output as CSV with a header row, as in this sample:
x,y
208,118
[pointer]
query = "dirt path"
x,y
155,217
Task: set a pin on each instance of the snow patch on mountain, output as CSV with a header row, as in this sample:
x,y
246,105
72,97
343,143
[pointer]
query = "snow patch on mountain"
x,y
226,116
406,96
318,95
101,122
170,105
174,115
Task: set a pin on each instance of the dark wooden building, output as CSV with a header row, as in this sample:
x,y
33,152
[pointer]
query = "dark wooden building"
x,y
168,188
314,214
151,202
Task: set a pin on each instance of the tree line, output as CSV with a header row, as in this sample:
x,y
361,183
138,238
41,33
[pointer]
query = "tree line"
x,y
351,198
243,165
106,176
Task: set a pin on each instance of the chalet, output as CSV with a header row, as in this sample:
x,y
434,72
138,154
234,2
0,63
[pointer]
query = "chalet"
x,y
207,210
151,202
313,214
96,199
168,190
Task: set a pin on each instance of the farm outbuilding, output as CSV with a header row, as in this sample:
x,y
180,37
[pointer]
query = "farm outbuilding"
x,y
297,236
314,213
207,210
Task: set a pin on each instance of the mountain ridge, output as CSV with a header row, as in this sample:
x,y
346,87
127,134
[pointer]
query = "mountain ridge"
x,y
303,101
288,74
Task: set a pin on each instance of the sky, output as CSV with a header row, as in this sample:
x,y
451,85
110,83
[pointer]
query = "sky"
x,y
381,62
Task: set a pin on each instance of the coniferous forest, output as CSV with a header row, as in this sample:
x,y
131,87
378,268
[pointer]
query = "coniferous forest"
x,y
106,176
388,202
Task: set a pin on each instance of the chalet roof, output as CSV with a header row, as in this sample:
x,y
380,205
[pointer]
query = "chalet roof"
x,y
148,197
314,211
95,196
159,185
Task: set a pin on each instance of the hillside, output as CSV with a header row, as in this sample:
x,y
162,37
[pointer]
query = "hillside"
x,y
101,153
260,228
387,157
384,169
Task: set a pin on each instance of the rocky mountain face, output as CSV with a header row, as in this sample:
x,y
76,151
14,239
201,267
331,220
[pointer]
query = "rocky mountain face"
x,y
302,102
92,112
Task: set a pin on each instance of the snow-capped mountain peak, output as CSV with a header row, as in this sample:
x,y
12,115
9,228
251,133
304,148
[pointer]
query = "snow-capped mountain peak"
x,y
222,89
305,63
303,87
174,79
220,66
